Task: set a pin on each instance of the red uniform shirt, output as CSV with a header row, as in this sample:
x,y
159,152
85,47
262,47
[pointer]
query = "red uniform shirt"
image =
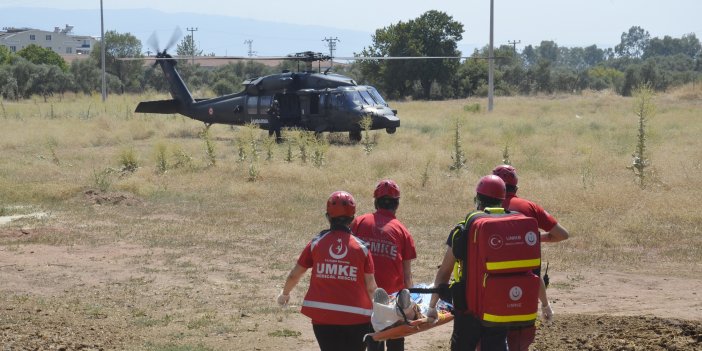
x,y
530,209
390,243
337,292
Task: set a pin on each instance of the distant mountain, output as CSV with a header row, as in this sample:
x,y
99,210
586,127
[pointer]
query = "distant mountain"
x,y
222,35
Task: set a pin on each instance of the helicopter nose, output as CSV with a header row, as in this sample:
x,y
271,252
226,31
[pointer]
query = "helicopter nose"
x,y
385,119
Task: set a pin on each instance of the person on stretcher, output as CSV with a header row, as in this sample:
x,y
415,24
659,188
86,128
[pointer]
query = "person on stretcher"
x,y
390,312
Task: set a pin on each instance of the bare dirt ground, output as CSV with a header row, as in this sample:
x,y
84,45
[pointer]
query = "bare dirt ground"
x,y
88,298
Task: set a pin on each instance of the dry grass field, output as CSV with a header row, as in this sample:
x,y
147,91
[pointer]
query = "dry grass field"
x,y
136,241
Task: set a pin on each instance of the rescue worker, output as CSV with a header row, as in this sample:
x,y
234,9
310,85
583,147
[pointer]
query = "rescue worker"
x,y
391,246
274,121
468,331
338,300
519,339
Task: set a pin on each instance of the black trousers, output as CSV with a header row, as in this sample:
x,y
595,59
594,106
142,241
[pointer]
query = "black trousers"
x,y
468,332
341,337
274,125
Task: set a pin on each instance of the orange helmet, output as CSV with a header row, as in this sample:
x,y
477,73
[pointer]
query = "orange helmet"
x,y
341,204
491,186
387,188
507,173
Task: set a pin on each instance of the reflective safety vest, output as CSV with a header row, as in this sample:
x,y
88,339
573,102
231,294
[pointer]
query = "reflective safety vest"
x,y
496,252
337,292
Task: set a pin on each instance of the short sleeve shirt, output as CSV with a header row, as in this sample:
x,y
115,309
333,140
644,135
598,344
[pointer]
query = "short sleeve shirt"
x,y
390,244
528,208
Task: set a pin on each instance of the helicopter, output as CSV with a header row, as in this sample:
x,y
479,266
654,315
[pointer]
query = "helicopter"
x,y
308,100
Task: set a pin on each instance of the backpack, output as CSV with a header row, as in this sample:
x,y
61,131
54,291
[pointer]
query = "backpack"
x,y
496,252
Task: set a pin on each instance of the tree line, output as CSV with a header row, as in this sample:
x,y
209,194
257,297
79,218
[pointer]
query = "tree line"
x,y
541,69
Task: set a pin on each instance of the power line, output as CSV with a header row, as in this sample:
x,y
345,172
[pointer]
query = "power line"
x,y
331,42
250,43
491,59
514,44
102,54
192,41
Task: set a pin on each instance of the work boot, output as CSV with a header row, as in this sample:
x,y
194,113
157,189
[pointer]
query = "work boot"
x,y
381,296
405,306
403,299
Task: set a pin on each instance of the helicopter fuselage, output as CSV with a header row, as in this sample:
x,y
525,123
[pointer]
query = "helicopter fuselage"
x,y
312,101
321,110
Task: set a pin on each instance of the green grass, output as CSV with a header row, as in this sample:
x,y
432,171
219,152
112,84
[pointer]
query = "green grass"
x,y
178,258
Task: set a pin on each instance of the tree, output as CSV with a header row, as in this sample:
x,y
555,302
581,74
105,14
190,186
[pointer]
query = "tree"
x,y
473,75
9,88
633,43
187,47
593,55
4,55
47,80
688,45
121,46
86,75
434,33
223,87
631,79
529,54
601,78
542,76
548,50
652,75
22,70
39,55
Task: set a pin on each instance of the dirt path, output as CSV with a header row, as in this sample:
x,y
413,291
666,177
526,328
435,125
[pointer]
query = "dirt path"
x,y
594,310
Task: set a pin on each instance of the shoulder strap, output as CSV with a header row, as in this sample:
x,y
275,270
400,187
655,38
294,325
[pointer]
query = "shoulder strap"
x,y
460,235
463,226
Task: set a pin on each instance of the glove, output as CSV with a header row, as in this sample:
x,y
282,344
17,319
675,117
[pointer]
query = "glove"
x,y
432,315
283,299
546,313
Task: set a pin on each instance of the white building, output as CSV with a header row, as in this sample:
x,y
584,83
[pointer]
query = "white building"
x,y
60,40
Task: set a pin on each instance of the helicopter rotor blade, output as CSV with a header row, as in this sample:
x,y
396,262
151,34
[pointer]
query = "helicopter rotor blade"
x,y
152,42
385,58
177,33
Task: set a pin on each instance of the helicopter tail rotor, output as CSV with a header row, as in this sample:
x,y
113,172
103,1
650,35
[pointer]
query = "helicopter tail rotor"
x,y
177,34
153,43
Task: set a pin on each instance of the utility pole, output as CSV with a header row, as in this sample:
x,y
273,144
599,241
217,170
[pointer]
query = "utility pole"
x,y
192,42
102,53
331,42
249,42
514,45
491,59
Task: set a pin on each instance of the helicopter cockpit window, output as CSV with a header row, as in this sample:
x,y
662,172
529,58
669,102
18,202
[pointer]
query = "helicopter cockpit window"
x,y
368,98
377,96
354,97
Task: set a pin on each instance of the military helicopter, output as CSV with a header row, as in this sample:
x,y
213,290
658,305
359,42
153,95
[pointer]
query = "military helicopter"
x,y
309,100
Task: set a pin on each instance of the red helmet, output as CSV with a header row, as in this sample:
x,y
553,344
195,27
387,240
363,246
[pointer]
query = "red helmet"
x,y
507,173
341,204
387,187
492,186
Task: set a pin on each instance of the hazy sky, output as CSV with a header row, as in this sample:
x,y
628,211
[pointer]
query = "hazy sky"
x,y
567,22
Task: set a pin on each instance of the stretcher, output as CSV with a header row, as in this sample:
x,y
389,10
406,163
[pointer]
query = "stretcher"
x,y
413,327
407,328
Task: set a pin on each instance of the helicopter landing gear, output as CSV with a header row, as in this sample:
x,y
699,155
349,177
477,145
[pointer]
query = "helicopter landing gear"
x,y
355,136
391,130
